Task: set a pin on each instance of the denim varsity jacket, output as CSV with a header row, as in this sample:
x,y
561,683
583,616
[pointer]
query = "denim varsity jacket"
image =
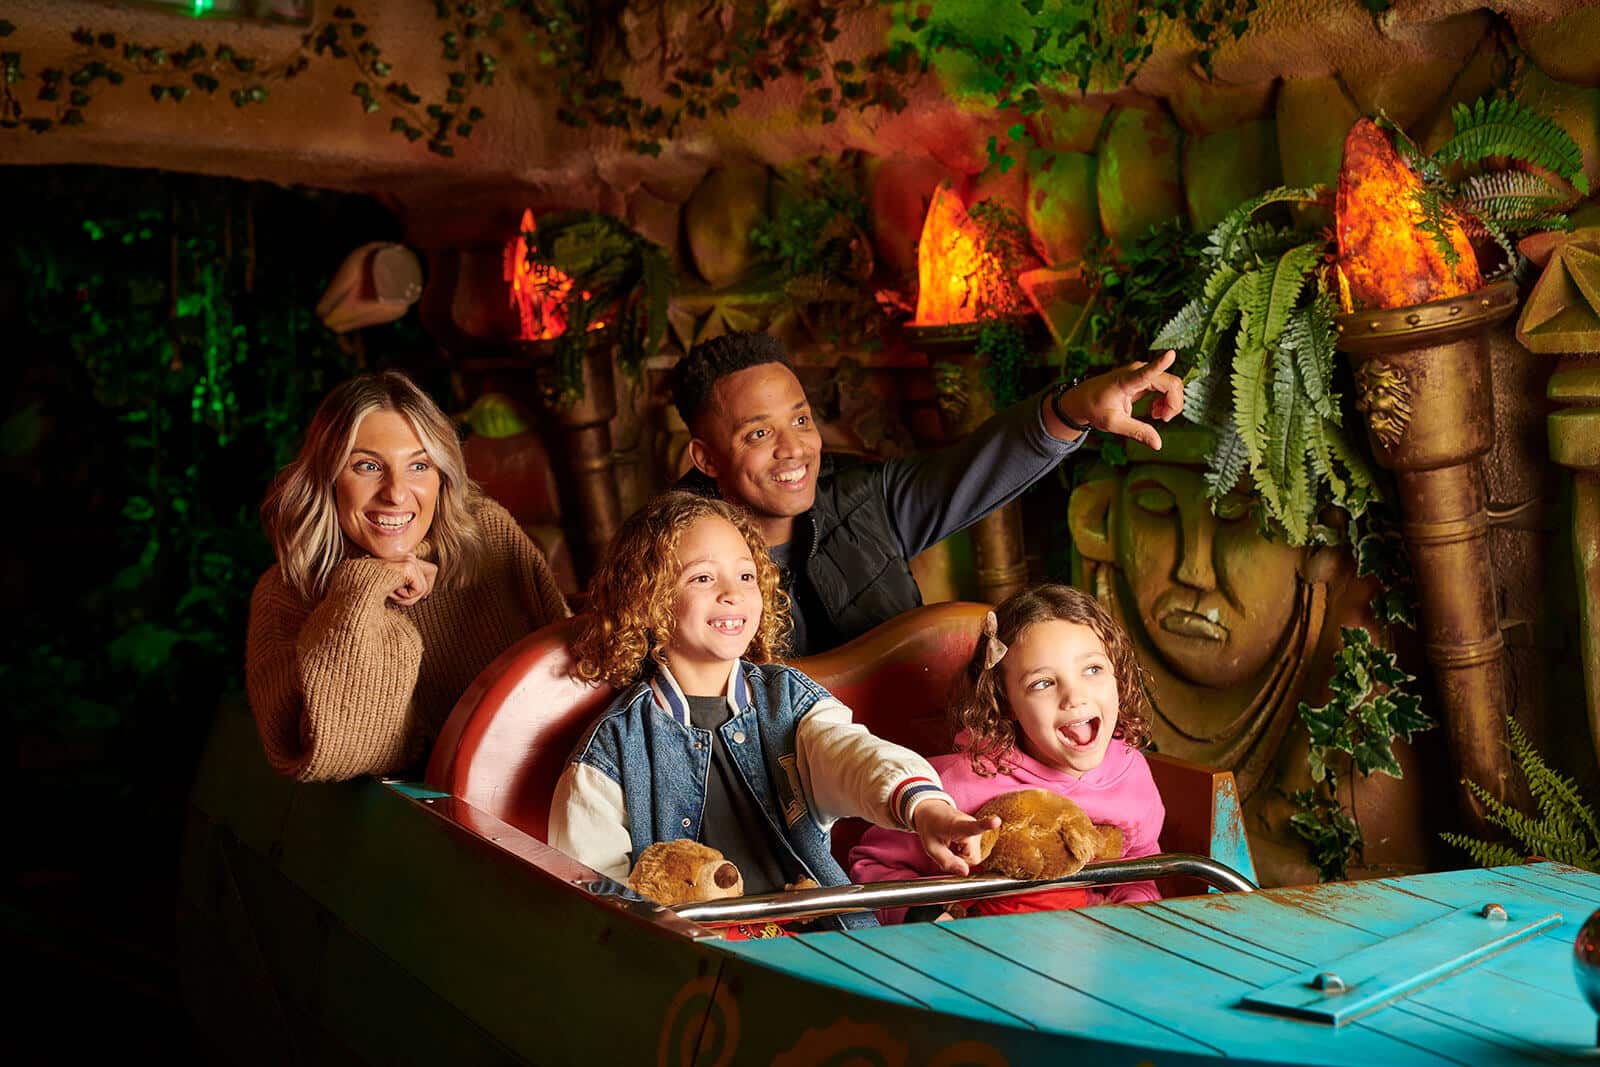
x,y
638,775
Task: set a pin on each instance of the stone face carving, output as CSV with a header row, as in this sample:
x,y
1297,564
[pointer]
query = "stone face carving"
x,y
1236,630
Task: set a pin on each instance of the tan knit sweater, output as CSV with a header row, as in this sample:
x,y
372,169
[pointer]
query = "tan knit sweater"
x,y
357,684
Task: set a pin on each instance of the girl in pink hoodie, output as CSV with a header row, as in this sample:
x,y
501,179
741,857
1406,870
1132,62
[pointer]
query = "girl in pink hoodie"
x,y
1052,700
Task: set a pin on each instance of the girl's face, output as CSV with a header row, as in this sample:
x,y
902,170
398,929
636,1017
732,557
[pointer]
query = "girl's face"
x,y
1062,690
716,606
387,490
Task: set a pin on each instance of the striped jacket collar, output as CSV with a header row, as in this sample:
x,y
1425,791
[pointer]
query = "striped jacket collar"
x,y
669,697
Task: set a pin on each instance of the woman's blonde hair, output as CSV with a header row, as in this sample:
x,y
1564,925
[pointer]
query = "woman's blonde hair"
x,y
299,512
630,612
979,713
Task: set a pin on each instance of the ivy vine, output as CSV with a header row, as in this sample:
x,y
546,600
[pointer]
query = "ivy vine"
x,y
1368,709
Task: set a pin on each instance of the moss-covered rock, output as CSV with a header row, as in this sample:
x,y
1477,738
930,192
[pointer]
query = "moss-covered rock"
x,y
1069,123
1575,108
1222,169
1062,214
718,218
1484,72
1314,115
1202,106
1567,48
1138,182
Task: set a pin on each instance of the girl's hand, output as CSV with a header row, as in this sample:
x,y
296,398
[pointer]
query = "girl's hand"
x,y
413,580
950,837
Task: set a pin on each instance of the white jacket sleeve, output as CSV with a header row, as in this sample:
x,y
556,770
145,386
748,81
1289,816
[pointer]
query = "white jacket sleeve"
x,y
589,821
846,771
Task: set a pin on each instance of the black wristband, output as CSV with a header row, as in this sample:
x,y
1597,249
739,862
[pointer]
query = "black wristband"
x,y
1055,406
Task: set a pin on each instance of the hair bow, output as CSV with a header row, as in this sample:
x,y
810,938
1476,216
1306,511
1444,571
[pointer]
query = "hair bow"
x,y
994,649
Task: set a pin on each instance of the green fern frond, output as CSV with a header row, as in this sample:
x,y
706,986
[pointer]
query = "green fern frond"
x,y
1183,330
1228,461
1500,126
1286,449
1309,336
1484,853
1289,277
1511,199
1206,400
1250,364
1264,241
1434,219
1363,487
1226,237
1320,458
1566,828
1552,791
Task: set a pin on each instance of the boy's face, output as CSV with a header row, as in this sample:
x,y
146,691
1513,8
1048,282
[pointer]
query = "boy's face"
x,y
716,606
760,443
1062,690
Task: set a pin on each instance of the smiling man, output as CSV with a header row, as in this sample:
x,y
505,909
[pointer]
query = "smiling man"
x,y
842,532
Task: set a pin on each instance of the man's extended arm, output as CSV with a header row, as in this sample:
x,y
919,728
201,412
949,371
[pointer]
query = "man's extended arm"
x,y
931,496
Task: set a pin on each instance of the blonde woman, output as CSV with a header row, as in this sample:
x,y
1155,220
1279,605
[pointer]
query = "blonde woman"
x,y
397,582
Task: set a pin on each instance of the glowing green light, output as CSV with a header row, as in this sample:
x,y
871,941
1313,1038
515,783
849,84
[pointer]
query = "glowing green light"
x,y
198,8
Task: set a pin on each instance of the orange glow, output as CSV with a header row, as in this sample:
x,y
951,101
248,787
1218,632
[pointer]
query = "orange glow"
x,y
1386,260
538,292
958,280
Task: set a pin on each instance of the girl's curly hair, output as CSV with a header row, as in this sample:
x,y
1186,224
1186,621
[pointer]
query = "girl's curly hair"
x,y
978,708
630,615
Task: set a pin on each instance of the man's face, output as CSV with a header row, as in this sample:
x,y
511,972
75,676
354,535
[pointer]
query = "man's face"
x,y
1213,595
760,443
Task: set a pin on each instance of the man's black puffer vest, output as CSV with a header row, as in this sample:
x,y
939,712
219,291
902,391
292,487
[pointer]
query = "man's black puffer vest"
x,y
853,558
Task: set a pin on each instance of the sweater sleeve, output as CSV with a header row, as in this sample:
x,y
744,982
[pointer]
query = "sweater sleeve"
x,y
331,687
536,583
933,495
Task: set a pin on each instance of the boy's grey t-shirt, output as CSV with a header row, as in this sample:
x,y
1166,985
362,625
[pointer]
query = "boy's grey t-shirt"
x,y
733,822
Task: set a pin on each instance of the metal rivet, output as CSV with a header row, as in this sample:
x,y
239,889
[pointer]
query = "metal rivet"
x,y
738,737
1455,310
1484,302
699,744
1374,324
1494,913
1413,318
686,822
1328,982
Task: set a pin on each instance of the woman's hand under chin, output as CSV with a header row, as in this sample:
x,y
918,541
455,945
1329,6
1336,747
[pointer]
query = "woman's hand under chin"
x,y
414,578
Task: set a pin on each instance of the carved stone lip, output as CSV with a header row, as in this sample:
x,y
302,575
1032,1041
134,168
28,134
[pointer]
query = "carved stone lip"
x,y
1192,624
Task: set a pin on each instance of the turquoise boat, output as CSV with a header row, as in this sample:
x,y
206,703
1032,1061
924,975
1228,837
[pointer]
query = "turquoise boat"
x,y
426,922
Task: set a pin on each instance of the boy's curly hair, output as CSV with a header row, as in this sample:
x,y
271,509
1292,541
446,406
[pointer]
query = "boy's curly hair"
x,y
630,610
978,706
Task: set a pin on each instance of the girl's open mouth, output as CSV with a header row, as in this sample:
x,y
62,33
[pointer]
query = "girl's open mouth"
x,y
1081,733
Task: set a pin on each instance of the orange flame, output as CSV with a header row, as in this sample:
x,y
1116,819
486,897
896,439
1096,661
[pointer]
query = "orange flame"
x,y
539,292
1385,259
958,279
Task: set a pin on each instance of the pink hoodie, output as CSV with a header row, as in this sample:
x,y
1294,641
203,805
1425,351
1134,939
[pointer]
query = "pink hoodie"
x,y
1120,792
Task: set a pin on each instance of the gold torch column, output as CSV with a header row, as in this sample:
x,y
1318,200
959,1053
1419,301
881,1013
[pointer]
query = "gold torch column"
x,y
1422,378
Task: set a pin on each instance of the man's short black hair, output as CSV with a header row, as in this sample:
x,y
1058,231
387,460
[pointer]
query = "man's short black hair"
x,y
711,361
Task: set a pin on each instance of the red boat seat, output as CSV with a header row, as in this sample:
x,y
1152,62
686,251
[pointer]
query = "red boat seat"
x,y
508,738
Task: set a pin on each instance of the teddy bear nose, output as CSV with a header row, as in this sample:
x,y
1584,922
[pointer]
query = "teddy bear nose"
x,y
727,874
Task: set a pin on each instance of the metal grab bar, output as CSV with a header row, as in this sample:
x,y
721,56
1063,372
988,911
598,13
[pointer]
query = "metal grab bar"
x,y
870,896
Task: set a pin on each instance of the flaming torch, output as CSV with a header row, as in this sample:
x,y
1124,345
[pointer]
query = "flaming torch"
x,y
962,283
1415,330
540,293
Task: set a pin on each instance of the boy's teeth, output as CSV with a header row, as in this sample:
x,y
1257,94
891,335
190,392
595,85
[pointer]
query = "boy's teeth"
x,y
791,476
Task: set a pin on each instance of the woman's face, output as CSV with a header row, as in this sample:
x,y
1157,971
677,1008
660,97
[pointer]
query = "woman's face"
x,y
387,490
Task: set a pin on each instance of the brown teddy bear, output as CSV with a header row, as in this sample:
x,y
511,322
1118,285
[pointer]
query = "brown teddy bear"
x,y
683,872
686,872
1043,835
